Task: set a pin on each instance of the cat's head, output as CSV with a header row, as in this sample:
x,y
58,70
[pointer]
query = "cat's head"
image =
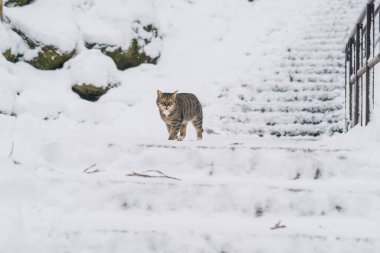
x,y
166,102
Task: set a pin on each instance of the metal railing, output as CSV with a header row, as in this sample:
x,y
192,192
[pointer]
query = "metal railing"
x,y
362,54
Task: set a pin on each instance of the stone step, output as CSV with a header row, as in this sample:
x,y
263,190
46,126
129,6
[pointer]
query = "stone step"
x,y
300,87
277,118
315,55
289,96
301,106
285,131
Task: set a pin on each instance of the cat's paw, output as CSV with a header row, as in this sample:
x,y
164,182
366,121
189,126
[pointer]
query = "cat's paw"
x,y
172,138
180,138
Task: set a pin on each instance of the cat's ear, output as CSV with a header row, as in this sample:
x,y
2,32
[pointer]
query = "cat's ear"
x,y
174,95
159,93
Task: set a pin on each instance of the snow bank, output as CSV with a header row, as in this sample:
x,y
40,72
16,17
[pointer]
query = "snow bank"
x,y
48,22
110,22
65,23
8,92
10,40
93,67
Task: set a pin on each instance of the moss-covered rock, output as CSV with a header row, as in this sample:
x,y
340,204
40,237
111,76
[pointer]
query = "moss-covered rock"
x,y
10,56
12,3
89,92
135,54
50,58
130,58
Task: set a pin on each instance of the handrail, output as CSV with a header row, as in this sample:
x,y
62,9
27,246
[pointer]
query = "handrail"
x,y
359,67
371,63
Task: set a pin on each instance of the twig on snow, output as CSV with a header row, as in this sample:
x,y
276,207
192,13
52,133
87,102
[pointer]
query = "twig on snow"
x,y
278,226
87,170
12,148
11,154
161,175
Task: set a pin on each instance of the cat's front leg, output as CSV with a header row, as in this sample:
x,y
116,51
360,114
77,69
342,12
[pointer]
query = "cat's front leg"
x,y
168,127
174,129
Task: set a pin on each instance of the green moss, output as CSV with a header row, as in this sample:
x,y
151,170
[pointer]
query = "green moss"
x,y
50,58
130,58
89,92
12,3
9,56
151,29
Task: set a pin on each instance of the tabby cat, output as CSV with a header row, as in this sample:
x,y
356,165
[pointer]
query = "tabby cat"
x,y
176,110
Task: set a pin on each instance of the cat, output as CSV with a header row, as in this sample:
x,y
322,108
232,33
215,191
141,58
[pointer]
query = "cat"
x,y
176,110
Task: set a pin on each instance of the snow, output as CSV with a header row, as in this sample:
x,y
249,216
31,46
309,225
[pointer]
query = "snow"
x,y
103,22
65,183
40,21
92,67
9,40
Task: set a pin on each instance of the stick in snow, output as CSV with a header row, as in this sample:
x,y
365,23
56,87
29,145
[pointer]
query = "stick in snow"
x,y
278,226
87,170
161,175
13,144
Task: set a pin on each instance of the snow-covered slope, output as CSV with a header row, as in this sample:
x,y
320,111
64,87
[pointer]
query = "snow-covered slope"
x,y
78,176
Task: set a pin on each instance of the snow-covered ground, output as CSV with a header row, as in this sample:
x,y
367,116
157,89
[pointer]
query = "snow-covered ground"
x,y
67,181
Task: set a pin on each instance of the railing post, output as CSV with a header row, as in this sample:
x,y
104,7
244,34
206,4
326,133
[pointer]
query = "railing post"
x,y
346,85
355,86
360,85
369,76
352,69
349,70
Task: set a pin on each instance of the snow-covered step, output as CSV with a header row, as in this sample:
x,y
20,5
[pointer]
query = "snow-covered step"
x,y
292,96
291,107
274,118
299,87
290,130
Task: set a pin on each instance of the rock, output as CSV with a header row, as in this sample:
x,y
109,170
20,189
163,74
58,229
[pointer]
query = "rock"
x,y
130,58
92,74
10,56
12,3
47,57
50,58
137,53
89,92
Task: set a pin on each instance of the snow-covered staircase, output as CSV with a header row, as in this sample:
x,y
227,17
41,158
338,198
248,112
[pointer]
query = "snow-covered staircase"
x,y
304,95
221,198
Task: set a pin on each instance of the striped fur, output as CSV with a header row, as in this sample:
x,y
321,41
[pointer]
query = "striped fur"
x,y
177,110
